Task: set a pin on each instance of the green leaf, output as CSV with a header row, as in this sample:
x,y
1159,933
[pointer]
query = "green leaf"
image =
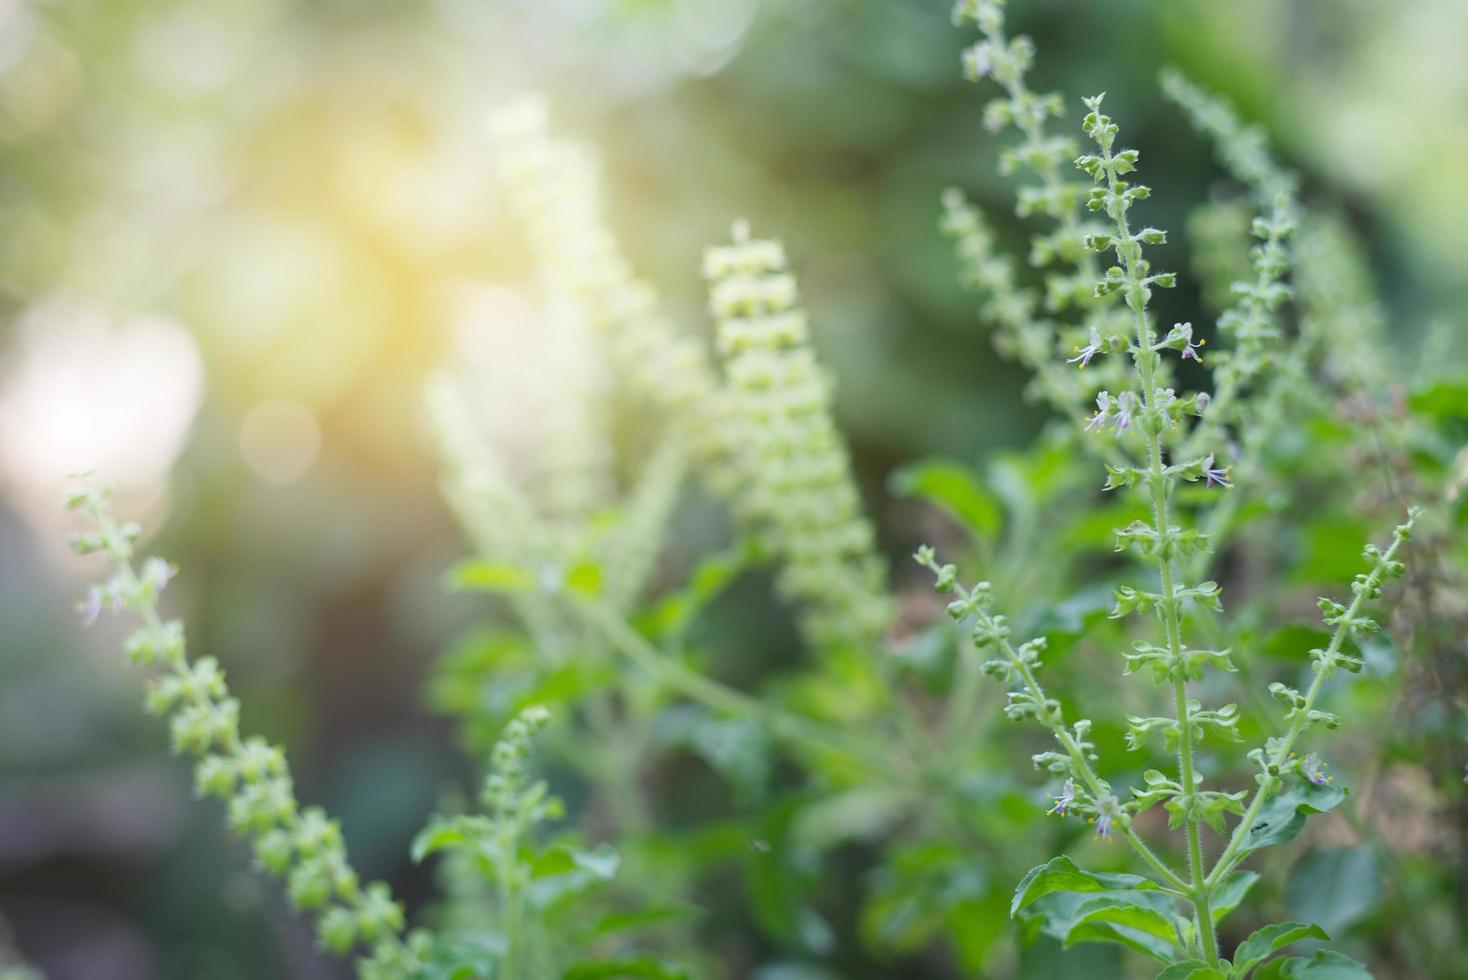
x,y
1231,893
1124,909
1335,888
1061,875
600,863
1047,960
1125,918
1102,932
1191,970
465,956
1257,948
437,837
601,860
616,923
708,580
1446,399
476,575
780,876
1324,965
641,967
955,488
584,578
1283,817
563,871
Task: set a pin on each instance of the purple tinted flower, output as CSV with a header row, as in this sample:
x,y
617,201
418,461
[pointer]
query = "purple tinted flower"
x,y
1107,812
91,607
1214,475
1084,354
1103,411
1125,409
1190,351
1314,770
1065,799
155,574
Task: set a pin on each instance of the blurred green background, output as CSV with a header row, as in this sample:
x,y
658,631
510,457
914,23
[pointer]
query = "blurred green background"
x,y
232,235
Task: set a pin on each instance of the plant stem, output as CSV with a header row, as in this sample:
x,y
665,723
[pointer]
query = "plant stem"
x,y
1227,860
866,754
1159,486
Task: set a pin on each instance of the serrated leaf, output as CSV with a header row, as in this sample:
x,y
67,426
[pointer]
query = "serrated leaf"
x,y
1062,875
1283,817
1257,948
954,487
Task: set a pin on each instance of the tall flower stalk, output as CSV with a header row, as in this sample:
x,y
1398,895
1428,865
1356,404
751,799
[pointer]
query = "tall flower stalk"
x,y
1162,542
300,844
800,484
1050,193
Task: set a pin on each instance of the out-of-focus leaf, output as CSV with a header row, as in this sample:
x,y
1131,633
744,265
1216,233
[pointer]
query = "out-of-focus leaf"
x,y
1444,399
584,578
779,876
1336,888
437,837
560,872
737,748
926,887
1047,960
466,956
953,486
862,813
713,574
640,967
477,575
1324,965
616,923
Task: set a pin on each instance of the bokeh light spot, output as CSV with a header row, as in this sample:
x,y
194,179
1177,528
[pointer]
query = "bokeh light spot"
x,y
280,440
